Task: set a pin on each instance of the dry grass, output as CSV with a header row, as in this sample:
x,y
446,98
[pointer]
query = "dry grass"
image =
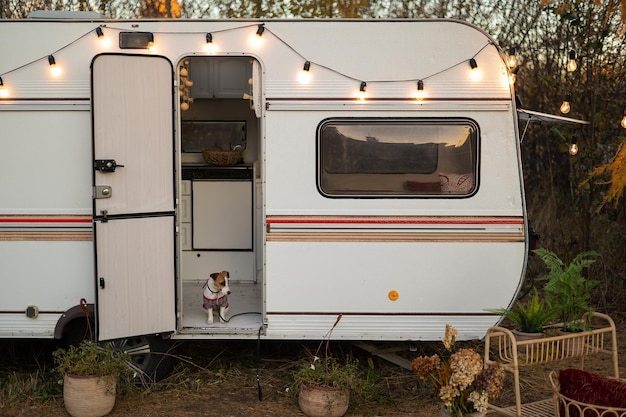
x,y
216,378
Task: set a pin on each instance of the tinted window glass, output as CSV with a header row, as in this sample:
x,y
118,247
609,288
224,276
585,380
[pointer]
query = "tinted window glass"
x,y
412,157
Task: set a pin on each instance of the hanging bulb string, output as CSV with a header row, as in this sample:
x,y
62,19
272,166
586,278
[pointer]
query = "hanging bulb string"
x,y
266,29
371,81
45,57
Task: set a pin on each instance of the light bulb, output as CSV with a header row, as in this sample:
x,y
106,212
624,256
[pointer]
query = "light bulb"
x,y
571,64
623,123
152,47
4,93
209,46
305,74
362,93
55,70
573,148
512,61
420,94
565,107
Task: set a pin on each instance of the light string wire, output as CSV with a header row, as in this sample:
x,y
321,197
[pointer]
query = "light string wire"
x,y
244,27
52,53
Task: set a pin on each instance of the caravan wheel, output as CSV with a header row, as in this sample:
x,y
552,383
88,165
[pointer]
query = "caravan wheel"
x,y
148,356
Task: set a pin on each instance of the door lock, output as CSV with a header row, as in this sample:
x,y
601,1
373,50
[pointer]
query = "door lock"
x,y
106,165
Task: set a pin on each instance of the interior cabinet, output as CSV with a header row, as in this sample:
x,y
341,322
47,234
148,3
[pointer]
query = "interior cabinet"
x,y
501,346
222,215
220,77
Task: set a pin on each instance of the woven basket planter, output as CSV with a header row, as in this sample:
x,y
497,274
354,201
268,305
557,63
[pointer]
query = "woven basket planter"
x,y
88,396
218,157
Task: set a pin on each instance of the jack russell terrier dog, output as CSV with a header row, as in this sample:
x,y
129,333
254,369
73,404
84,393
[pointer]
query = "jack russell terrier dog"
x,y
215,295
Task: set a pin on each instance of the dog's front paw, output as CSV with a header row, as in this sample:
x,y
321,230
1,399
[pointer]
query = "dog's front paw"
x,y
222,320
209,321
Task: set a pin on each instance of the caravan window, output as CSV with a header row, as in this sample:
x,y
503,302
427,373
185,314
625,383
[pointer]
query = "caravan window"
x,y
397,157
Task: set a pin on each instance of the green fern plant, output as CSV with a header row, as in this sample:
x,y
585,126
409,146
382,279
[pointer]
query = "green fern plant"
x,y
566,290
531,318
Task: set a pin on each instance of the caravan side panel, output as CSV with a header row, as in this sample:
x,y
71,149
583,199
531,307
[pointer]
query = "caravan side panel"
x,y
46,248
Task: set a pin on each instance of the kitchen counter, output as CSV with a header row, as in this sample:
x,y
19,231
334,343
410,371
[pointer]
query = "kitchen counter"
x,y
208,172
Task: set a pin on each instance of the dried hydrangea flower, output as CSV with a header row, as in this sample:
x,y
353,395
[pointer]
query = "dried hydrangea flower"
x,y
425,366
465,364
449,337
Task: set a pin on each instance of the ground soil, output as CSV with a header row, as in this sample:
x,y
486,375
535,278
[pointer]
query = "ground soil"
x,y
223,379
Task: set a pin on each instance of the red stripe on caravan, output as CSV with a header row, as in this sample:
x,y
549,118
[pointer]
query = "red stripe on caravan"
x,y
44,219
452,221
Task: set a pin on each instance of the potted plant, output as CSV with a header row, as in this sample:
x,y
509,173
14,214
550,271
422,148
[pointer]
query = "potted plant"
x,y
460,378
528,320
324,383
567,291
90,375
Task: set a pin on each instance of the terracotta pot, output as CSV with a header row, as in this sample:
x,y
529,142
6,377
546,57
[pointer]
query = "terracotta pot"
x,y
522,336
88,396
315,401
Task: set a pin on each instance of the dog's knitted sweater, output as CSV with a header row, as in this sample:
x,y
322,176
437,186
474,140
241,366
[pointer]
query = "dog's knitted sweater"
x,y
214,303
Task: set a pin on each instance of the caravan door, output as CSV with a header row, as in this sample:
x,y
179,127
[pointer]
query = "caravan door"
x,y
133,206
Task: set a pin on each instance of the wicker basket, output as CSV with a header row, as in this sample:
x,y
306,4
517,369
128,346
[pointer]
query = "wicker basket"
x,y
222,158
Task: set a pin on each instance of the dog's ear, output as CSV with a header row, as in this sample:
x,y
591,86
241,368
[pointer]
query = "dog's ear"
x,y
214,275
227,274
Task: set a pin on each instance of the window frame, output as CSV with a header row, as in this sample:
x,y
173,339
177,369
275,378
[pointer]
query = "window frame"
x,y
401,120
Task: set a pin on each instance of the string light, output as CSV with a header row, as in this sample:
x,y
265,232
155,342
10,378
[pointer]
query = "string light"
x,y
571,63
512,61
257,40
565,107
104,40
362,92
475,73
55,70
420,94
4,93
305,75
623,123
209,46
573,147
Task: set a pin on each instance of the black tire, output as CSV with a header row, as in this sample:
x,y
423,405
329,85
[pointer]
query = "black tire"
x,y
148,356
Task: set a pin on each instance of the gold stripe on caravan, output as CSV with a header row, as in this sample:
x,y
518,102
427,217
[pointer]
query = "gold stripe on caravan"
x,y
394,229
50,227
55,235
393,237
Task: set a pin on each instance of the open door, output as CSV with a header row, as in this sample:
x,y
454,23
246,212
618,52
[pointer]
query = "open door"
x,y
133,206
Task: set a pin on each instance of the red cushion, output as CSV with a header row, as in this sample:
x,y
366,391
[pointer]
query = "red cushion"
x,y
590,388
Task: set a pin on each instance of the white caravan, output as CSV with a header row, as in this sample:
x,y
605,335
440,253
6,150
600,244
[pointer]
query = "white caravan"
x,y
380,179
